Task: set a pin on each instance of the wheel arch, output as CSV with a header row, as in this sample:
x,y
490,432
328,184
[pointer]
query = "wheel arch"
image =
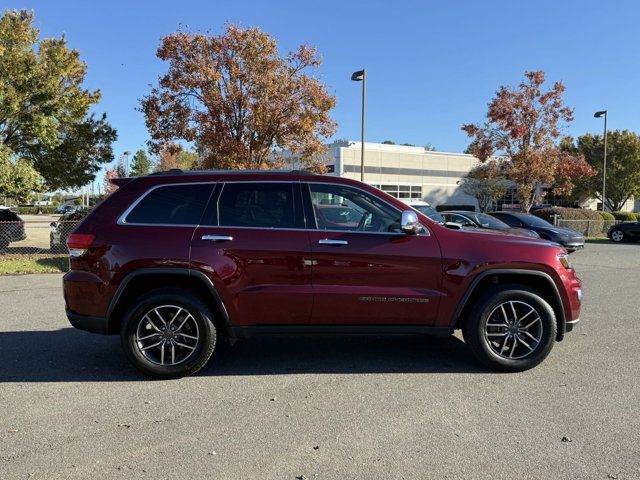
x,y
144,280
539,281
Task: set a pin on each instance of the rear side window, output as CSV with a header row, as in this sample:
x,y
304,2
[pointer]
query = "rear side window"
x,y
261,205
172,205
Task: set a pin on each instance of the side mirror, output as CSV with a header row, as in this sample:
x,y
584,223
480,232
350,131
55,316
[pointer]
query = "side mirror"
x,y
409,223
453,226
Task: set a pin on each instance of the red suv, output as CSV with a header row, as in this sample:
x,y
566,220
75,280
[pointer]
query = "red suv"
x,y
174,261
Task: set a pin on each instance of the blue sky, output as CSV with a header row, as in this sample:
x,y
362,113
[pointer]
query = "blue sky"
x,y
431,65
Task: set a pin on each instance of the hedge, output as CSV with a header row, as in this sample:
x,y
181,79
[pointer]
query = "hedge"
x,y
588,222
447,208
606,215
31,210
624,216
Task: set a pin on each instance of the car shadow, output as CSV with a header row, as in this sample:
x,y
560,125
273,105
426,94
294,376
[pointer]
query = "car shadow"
x,y
70,355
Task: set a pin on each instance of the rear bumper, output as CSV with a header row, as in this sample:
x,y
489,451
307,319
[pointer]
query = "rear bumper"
x,y
88,323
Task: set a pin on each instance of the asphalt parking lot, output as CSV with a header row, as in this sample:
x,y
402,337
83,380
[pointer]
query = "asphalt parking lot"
x,y
324,407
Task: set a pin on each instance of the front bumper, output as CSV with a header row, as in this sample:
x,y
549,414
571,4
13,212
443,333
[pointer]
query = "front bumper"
x,y
88,323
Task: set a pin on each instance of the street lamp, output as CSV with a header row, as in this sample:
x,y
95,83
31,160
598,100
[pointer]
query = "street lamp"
x,y
603,113
361,76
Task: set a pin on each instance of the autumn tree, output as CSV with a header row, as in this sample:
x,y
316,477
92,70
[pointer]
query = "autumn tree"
x,y
239,100
44,110
623,166
110,173
175,156
141,164
486,182
524,124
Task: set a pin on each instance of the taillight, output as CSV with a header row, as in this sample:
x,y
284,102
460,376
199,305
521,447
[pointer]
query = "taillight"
x,y
78,243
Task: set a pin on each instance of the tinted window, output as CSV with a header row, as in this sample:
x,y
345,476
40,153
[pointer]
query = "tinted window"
x,y
172,205
8,216
338,207
264,205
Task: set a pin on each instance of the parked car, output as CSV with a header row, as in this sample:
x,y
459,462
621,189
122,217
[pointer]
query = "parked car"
x,y
425,209
11,227
623,232
67,208
483,220
61,229
568,238
174,262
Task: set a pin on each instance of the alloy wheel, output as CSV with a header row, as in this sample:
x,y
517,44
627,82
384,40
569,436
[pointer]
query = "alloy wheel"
x,y
617,236
513,330
167,335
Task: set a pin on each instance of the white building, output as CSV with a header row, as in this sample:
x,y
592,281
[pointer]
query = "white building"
x,y
404,171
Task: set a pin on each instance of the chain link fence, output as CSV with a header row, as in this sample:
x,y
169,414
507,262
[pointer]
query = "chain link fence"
x,y
589,228
35,235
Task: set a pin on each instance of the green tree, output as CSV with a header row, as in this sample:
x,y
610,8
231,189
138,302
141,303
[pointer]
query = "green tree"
x,y
486,182
44,110
623,166
141,164
174,156
18,179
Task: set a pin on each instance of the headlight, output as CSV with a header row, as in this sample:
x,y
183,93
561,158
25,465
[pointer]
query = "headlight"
x,y
565,261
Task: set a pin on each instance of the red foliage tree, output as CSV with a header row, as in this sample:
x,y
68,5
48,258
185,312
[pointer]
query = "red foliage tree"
x,y
238,100
524,124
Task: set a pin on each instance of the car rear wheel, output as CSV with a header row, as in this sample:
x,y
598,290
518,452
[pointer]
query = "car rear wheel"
x,y
168,333
617,235
511,328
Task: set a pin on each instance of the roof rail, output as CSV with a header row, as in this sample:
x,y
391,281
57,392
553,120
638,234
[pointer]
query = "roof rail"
x,y
177,171
172,171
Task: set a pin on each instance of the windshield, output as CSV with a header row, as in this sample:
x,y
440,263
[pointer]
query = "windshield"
x,y
487,221
534,221
429,212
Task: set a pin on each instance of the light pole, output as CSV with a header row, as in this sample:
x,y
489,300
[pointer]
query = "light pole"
x,y
603,113
361,76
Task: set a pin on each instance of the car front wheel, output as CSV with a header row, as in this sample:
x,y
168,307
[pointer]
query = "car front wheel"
x,y
617,236
510,329
168,333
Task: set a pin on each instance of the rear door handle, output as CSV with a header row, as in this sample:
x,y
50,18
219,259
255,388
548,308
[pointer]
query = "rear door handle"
x,y
328,241
217,238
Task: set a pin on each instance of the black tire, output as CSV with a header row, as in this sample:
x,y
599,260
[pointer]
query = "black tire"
x,y
166,298
617,236
476,333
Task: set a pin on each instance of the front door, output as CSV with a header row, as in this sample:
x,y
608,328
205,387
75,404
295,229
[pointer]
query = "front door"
x,y
365,271
256,251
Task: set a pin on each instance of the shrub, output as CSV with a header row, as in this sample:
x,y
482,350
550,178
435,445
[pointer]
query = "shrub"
x,y
446,208
588,222
606,215
31,210
624,216
637,217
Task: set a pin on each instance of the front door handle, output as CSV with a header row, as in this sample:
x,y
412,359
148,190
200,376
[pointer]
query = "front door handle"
x,y
217,238
328,241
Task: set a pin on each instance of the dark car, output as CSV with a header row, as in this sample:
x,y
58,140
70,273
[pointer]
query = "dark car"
x,y
175,262
11,228
483,220
624,232
61,229
569,239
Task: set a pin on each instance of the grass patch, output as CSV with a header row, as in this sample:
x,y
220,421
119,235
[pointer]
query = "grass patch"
x,y
22,265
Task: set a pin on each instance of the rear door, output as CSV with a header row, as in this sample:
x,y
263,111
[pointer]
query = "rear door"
x,y
253,245
365,271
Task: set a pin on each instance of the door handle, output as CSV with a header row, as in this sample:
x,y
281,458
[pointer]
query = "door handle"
x,y
217,238
328,241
